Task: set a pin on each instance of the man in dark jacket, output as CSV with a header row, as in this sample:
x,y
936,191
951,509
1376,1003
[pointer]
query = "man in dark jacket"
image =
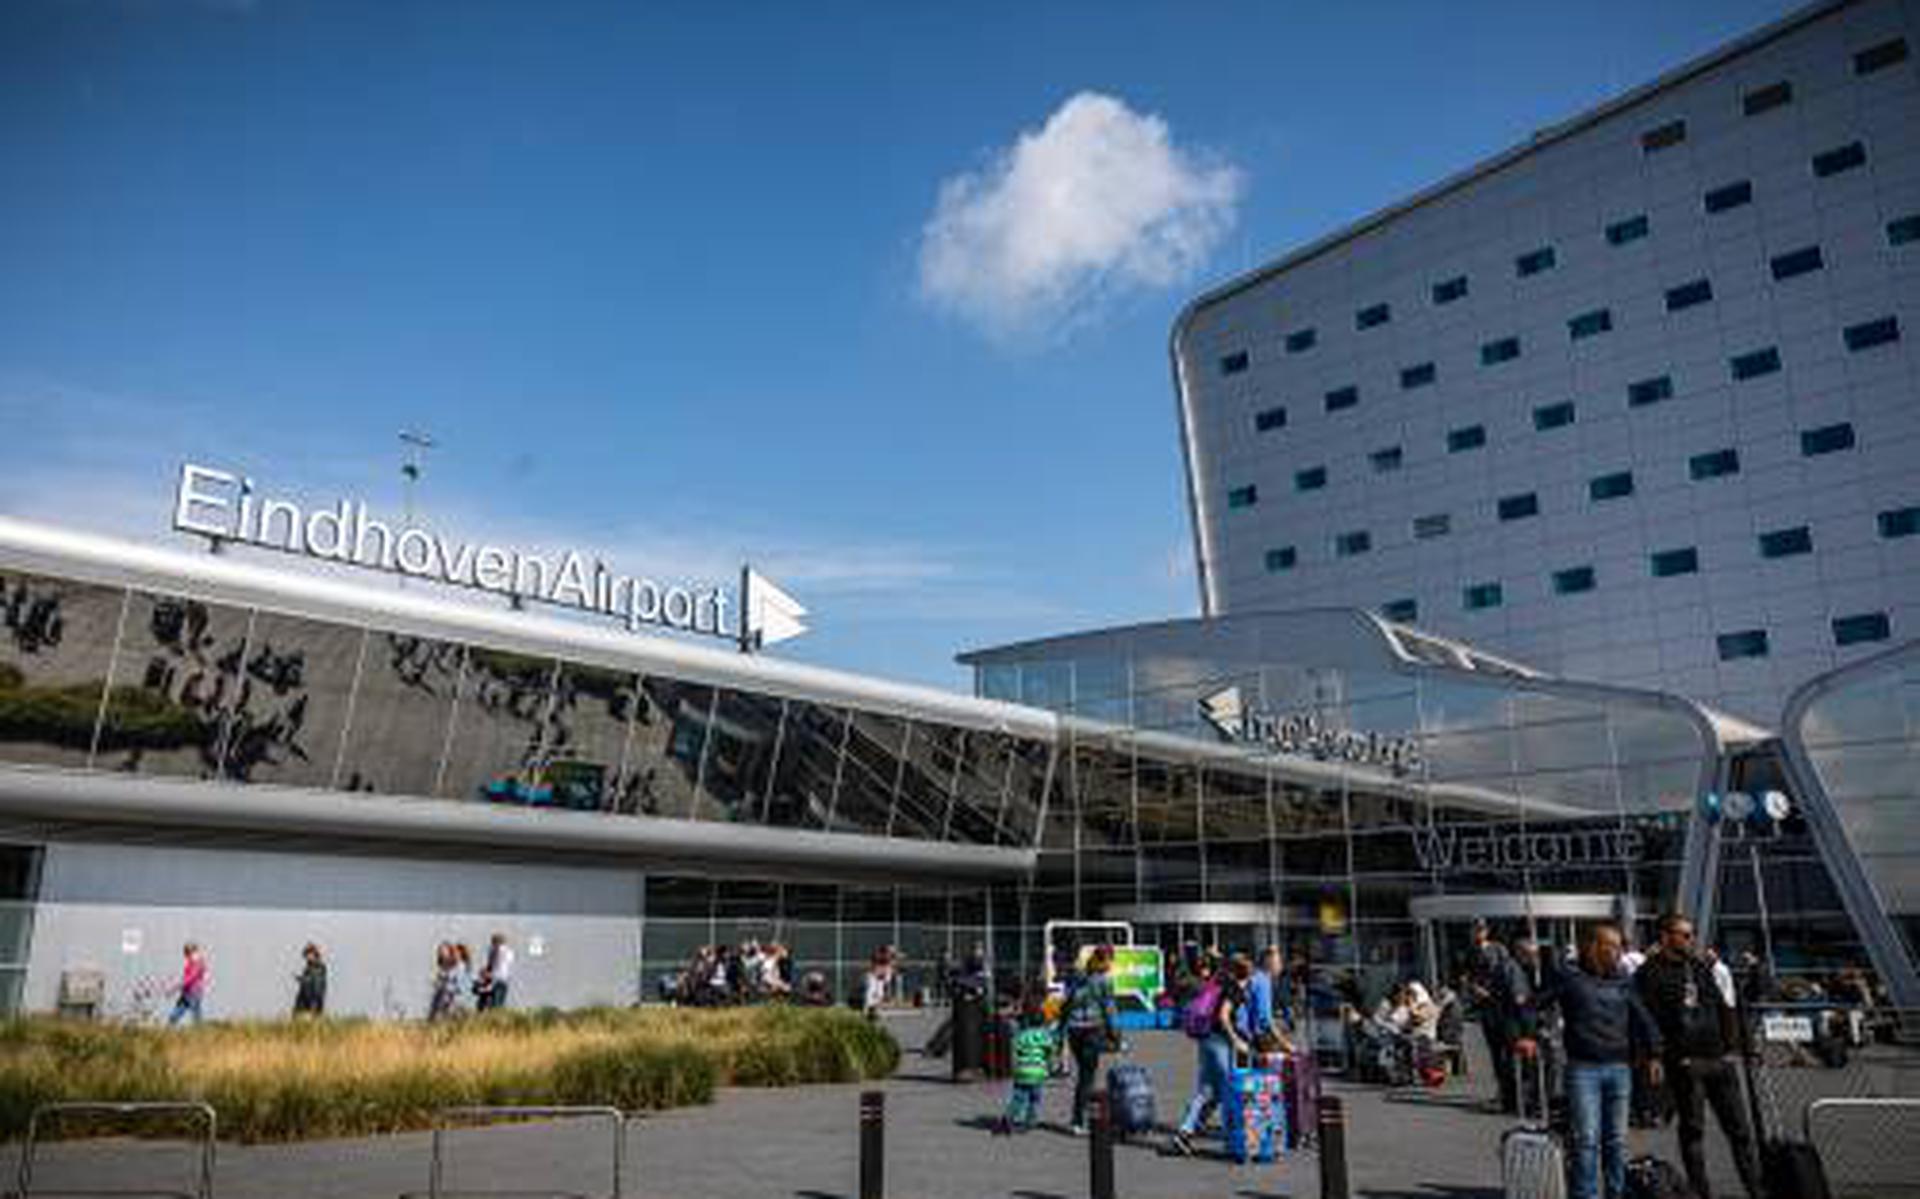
x,y
1608,1029
1697,1032
1503,995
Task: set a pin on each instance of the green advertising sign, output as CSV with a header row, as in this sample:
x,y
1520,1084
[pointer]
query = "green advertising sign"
x,y
1137,976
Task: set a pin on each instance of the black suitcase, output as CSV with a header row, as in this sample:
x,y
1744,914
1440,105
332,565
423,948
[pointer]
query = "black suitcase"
x,y
1792,1170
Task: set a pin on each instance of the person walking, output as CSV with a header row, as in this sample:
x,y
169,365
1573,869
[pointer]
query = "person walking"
x,y
1088,1019
874,986
192,988
1032,1055
1607,1029
310,985
1503,995
497,975
1698,1030
1229,990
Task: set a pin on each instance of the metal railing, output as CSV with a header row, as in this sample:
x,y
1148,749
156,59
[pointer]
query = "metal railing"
x,y
203,1116
1868,1147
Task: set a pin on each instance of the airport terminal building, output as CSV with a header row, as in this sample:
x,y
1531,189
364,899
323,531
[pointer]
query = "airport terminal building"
x,y
1559,546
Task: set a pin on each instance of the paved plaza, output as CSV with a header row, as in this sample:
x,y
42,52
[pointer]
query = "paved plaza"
x,y
801,1144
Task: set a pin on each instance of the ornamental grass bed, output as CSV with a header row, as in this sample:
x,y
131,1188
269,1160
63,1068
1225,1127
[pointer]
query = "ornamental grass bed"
x,y
284,1080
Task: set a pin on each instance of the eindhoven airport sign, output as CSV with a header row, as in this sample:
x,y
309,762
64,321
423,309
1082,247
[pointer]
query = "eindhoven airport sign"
x,y
1306,734
225,507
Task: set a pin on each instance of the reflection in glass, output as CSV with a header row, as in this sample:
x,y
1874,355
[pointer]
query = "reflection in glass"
x,y
497,751
585,743
669,736
1168,797
401,713
1103,779
807,768
740,750
870,774
56,641
926,782
292,705
980,787
175,678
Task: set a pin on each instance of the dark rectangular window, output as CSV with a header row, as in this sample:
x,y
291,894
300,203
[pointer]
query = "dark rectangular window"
x,y
1649,391
1668,563
1869,334
1281,559
1840,158
1730,196
1587,324
1670,134
1899,522
1797,262
1766,99
1269,419
1301,340
1243,497
1405,611
1470,438
1748,643
1553,416
1903,230
1482,595
1630,230
1617,485
1534,261
1348,545
1496,352
1573,581
1416,376
1827,439
1449,290
1387,459
1342,398
1234,363
1368,318
1868,626
1688,294
1786,543
1311,479
1519,507
1712,466
1875,58
1426,528
1754,364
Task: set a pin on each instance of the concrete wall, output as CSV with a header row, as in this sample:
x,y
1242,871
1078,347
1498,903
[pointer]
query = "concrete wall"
x,y
377,920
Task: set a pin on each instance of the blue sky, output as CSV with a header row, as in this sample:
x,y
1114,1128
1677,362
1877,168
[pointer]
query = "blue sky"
x,y
877,295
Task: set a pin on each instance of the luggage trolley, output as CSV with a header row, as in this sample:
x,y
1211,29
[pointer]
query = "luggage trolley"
x,y
447,1119
202,1117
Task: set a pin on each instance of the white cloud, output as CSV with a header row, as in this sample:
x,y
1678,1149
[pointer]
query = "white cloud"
x,y
1095,203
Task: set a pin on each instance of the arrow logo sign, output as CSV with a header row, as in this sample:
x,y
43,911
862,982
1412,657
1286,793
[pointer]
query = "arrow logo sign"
x,y
768,615
1226,711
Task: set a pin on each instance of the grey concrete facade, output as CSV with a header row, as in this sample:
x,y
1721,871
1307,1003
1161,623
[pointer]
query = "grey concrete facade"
x,y
1486,410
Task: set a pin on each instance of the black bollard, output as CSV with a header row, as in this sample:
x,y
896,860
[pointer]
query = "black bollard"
x,y
873,1144
1100,1149
1333,1149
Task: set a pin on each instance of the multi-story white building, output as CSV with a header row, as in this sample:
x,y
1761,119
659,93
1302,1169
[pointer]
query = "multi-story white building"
x,y
1636,401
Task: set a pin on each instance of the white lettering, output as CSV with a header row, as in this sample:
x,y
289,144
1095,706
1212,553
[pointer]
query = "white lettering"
x,y
326,519
682,618
419,538
191,494
532,567
493,568
264,534
362,527
454,566
570,585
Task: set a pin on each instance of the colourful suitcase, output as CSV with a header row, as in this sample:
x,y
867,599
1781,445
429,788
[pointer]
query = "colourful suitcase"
x,y
1254,1114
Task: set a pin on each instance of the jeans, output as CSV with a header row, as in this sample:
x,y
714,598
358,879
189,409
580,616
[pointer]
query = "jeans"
x,y
1216,1075
1023,1106
1695,1085
1086,1046
189,1005
1599,1093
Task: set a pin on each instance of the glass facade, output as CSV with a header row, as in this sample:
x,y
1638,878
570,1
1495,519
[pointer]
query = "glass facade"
x,y
1859,738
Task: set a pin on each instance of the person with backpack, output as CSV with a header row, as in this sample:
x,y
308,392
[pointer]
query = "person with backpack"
x,y
1032,1057
1088,1021
1210,1020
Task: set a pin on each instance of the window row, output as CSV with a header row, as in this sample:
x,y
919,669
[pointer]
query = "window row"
x,y
141,683
1761,100
1712,464
1775,543
1859,629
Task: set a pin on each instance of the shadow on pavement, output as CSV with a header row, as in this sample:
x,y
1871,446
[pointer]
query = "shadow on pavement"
x,y
1437,1192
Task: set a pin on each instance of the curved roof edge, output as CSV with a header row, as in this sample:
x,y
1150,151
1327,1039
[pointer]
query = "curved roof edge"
x,y
1814,689
110,561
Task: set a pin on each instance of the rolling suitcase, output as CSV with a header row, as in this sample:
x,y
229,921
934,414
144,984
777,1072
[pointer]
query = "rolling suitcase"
x,y
1533,1162
1789,1169
1300,1079
1130,1099
1253,1113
